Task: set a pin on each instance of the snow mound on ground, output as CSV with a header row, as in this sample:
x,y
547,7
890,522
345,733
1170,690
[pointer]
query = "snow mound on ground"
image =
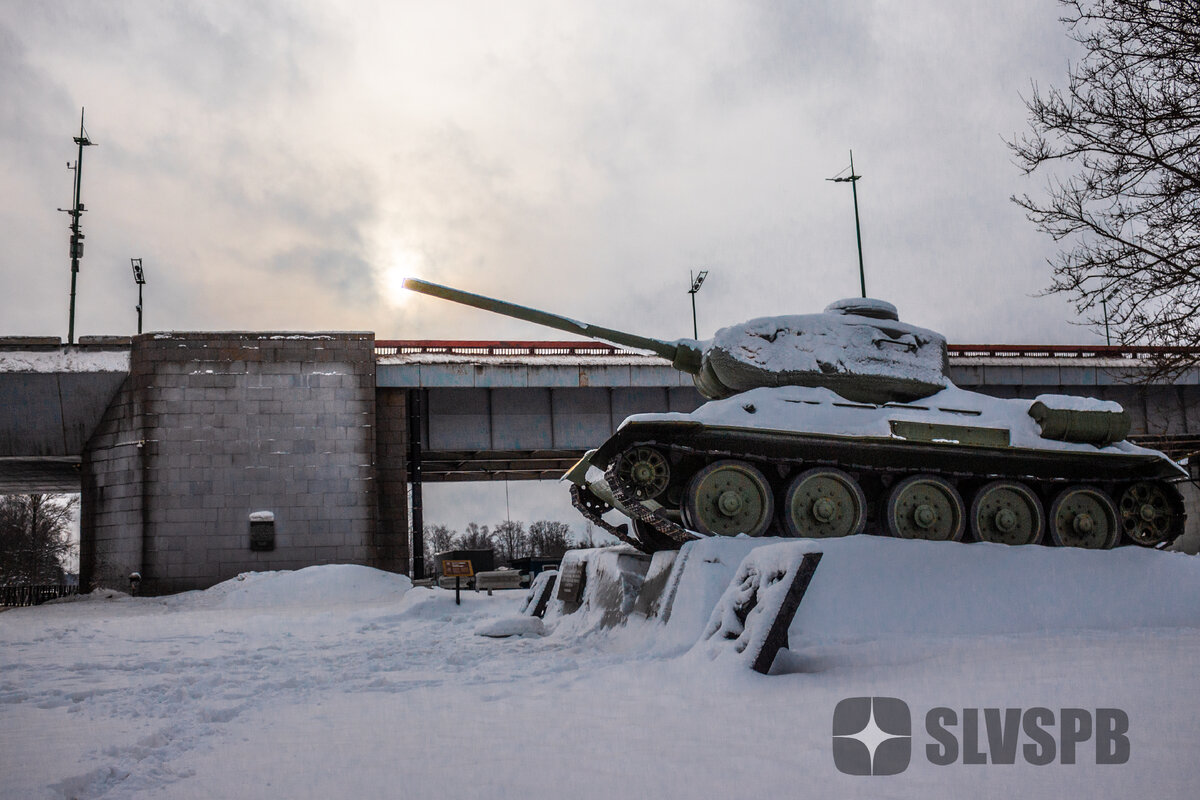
x,y
612,578
511,626
876,587
96,595
327,585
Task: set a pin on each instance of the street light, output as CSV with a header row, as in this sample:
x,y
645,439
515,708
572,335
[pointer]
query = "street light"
x,y
696,282
1104,298
139,277
853,179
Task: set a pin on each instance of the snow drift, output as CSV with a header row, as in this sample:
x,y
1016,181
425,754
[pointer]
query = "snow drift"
x,y
874,587
334,584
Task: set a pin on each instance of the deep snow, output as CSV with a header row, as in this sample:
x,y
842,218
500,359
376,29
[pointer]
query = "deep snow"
x,y
346,682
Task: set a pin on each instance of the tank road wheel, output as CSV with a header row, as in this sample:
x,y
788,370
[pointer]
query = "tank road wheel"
x,y
645,471
1084,516
727,498
822,503
1007,513
1147,514
926,507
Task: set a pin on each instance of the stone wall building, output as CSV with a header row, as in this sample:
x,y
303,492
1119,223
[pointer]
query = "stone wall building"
x,y
209,428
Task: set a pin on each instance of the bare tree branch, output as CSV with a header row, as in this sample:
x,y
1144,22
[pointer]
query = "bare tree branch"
x,y
1125,132
35,537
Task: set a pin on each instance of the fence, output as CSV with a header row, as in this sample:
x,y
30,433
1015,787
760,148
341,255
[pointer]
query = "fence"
x,y
34,595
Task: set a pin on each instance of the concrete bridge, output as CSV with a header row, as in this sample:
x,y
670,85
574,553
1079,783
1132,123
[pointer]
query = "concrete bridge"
x,y
512,410
175,440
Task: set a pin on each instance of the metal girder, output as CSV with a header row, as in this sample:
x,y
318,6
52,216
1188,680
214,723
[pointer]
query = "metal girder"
x,y
464,465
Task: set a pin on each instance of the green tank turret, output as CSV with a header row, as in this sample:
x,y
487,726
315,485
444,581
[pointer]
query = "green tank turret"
x,y
857,348
846,421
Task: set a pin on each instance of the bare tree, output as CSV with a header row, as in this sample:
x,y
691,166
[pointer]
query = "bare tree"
x,y
1121,144
438,539
510,539
35,537
549,539
476,537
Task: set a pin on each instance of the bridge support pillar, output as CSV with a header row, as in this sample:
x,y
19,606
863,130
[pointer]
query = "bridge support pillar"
x,y
391,414
211,427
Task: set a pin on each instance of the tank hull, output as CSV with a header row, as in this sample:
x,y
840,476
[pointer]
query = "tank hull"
x,y
780,448
958,466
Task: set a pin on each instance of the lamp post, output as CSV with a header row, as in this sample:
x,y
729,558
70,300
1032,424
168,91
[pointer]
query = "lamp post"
x,y
139,277
696,280
853,179
1104,307
76,211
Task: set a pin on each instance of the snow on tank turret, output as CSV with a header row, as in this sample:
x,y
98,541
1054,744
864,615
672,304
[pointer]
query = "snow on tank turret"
x,y
858,348
845,421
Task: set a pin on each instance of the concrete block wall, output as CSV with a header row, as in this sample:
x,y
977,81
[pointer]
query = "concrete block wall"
x,y
112,486
230,424
391,469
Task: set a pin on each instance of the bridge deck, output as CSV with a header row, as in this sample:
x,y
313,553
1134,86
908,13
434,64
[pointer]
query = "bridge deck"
x,y
527,409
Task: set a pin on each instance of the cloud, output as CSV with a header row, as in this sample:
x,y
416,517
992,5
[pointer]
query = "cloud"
x,y
268,160
276,164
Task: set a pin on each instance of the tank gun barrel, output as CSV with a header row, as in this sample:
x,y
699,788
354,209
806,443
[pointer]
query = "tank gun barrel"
x,y
685,354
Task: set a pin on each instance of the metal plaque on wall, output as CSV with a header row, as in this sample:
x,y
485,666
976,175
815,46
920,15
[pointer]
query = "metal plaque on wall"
x,y
262,535
570,582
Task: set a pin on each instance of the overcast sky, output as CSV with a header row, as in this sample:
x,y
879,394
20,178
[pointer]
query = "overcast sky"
x,y
279,165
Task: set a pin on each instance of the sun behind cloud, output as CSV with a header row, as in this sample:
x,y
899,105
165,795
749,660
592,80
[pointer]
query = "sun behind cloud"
x,y
402,263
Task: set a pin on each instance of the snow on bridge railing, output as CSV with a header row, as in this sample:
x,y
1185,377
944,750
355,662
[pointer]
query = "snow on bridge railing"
x,y
471,347
1067,351
468,347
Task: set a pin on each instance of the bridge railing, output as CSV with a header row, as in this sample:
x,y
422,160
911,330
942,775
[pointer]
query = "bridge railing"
x,y
479,347
1067,351
471,347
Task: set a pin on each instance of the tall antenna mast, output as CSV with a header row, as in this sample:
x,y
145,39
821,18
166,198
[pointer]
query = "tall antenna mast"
x,y
852,179
76,211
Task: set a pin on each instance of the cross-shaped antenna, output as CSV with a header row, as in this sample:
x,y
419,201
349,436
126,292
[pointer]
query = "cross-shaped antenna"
x,y
76,211
853,179
697,281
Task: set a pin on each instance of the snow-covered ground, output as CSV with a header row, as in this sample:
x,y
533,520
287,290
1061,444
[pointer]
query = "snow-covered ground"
x,y
345,682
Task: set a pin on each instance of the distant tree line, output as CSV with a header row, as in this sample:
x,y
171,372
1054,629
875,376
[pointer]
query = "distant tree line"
x,y
509,539
35,539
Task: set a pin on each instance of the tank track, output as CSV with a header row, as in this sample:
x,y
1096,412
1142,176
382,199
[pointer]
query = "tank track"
x,y
652,517
590,513
657,520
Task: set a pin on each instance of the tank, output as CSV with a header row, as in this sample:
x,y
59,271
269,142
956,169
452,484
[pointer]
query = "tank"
x,y
846,421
